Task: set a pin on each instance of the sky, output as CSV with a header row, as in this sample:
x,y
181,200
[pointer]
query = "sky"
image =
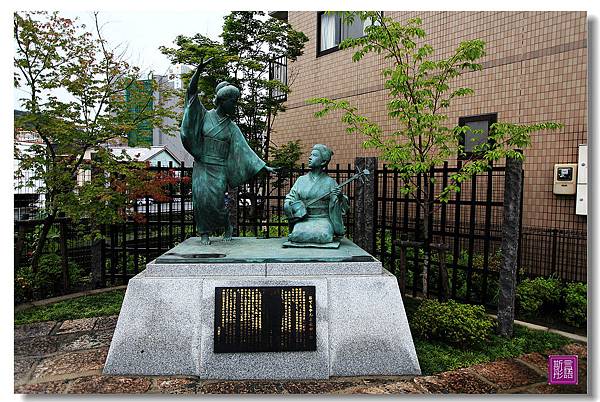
x,y
141,33
144,32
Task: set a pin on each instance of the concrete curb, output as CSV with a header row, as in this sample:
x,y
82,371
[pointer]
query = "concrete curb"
x,y
529,325
45,302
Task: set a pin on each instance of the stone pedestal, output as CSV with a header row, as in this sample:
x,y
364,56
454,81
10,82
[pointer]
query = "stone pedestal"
x,y
166,324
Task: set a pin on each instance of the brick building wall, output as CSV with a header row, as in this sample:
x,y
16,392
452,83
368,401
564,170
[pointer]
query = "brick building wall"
x,y
535,70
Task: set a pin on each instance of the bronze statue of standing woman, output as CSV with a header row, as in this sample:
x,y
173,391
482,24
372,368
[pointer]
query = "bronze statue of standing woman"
x,y
222,156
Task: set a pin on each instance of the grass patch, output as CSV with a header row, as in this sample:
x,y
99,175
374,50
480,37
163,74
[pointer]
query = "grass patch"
x,y
101,304
435,357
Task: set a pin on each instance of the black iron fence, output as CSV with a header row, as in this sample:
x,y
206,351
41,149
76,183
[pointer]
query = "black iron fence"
x,y
469,224
464,225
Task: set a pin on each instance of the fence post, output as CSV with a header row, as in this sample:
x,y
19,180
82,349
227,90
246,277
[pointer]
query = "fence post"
x,y
20,242
63,255
232,195
97,263
443,271
513,180
402,273
364,205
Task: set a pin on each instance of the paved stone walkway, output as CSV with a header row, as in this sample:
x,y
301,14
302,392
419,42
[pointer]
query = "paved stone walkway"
x,y
67,357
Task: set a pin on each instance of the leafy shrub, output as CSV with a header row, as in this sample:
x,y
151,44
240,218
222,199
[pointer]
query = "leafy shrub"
x,y
47,282
575,307
463,325
539,295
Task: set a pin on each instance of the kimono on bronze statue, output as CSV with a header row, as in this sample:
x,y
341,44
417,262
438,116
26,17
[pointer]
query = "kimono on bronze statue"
x,y
324,220
222,159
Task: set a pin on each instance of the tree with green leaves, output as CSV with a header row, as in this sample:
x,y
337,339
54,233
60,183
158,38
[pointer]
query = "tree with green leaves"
x,y
81,95
250,43
421,88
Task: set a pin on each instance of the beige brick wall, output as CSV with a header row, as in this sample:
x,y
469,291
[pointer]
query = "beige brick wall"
x,y
535,70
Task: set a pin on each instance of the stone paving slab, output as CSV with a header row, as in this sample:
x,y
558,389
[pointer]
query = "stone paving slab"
x,y
82,324
37,346
100,384
271,387
35,329
81,341
461,381
108,322
170,385
23,366
403,387
508,374
50,387
71,363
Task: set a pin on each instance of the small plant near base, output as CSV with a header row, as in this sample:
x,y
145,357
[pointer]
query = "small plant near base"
x,y
47,281
539,295
574,311
463,325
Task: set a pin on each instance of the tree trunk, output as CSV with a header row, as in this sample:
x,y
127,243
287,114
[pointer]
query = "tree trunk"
x,y
510,245
426,252
20,242
425,233
35,257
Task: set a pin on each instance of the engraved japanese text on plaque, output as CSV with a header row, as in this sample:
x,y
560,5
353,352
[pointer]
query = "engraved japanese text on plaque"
x,y
265,319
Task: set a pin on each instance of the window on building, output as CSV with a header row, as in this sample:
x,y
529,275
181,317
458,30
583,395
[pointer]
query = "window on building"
x,y
478,133
278,72
332,30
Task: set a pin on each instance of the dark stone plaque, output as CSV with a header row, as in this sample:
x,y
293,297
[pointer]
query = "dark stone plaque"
x,y
265,319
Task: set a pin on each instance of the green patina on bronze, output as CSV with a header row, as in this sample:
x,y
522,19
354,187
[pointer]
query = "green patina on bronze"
x,y
257,250
222,157
315,205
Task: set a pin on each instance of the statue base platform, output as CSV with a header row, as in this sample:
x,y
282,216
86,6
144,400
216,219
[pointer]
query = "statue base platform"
x,y
329,315
333,244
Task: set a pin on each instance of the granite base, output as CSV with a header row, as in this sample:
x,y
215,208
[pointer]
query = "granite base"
x,y
166,323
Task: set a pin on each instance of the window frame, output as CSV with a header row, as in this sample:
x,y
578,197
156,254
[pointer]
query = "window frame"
x,y
491,118
335,48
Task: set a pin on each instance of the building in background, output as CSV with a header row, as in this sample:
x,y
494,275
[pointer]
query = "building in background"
x,y
148,135
159,138
153,155
27,199
535,70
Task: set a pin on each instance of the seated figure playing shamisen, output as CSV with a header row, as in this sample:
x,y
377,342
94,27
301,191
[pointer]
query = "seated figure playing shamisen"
x,y
316,220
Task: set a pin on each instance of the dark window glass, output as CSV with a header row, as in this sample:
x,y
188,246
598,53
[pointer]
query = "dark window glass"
x,y
477,134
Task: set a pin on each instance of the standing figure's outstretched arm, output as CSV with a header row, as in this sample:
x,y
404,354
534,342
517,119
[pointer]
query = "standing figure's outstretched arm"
x,y
193,114
193,86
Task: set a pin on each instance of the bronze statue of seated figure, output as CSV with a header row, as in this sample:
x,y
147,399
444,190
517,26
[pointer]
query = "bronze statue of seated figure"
x,y
315,204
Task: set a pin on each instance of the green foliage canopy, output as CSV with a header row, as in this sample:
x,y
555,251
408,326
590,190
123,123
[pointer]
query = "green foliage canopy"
x,y
250,42
81,95
421,89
